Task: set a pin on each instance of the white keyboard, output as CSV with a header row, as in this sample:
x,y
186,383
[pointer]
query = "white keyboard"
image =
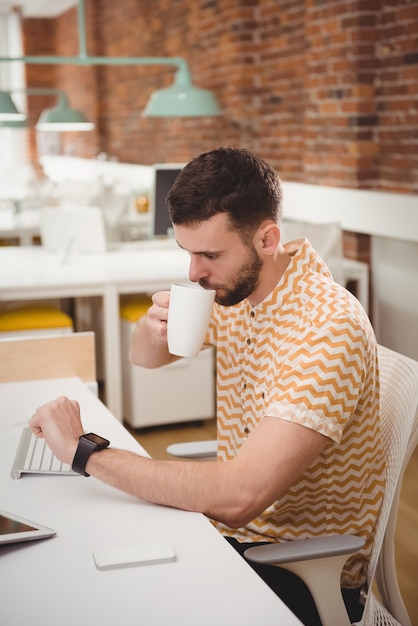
x,y
33,456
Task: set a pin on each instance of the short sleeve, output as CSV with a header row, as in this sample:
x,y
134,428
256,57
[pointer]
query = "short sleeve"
x,y
320,383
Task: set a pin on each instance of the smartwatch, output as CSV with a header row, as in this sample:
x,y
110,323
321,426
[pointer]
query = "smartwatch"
x,y
87,444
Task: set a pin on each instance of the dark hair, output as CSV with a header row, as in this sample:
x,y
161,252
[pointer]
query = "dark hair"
x,y
226,180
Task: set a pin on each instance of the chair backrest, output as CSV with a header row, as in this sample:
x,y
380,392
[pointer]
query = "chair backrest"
x,y
325,237
399,427
57,356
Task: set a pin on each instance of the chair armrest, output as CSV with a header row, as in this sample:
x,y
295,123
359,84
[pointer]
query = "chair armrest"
x,y
318,562
305,549
194,449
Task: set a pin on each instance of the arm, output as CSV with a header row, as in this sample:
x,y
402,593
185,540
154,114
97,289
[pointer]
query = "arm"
x,y
148,346
233,492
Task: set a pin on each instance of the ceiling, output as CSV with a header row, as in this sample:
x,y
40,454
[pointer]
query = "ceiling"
x,y
37,8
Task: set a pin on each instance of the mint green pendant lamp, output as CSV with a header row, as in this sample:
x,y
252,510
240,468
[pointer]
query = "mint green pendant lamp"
x,y
182,99
62,118
8,110
59,118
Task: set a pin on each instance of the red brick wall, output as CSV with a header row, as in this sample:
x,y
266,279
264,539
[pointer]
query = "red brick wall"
x,y
326,91
38,75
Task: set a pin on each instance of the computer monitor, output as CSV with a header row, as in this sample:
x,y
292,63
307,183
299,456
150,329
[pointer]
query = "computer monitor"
x,y
164,176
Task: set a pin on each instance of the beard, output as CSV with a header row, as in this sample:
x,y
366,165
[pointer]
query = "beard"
x,y
241,287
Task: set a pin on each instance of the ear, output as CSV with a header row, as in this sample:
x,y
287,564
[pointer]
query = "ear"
x,y
268,238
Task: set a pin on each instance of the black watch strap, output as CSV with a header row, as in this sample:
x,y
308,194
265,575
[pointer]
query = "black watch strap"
x,y
87,444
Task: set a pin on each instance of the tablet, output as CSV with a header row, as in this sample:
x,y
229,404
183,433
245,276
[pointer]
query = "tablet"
x,y
14,529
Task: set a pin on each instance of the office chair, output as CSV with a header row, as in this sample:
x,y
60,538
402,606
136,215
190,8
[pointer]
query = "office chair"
x,y
319,561
325,237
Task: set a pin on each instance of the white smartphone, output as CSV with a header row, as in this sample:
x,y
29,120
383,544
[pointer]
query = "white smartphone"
x,y
130,556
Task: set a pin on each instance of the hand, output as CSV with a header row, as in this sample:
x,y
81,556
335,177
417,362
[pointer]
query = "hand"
x,y
60,424
148,347
157,315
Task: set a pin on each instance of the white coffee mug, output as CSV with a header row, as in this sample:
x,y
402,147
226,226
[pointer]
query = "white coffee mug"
x,y
188,318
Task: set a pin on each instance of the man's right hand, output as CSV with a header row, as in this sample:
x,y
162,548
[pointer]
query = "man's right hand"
x,y
157,315
148,346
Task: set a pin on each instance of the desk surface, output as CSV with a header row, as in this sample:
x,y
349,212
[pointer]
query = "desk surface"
x,y
55,580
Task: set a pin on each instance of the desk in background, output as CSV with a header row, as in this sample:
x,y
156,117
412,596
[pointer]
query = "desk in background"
x,y
23,226
32,273
55,581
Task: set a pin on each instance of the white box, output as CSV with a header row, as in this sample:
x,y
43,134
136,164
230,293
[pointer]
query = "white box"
x,y
180,392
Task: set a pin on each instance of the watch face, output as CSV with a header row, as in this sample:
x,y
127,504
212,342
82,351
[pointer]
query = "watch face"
x,y
96,439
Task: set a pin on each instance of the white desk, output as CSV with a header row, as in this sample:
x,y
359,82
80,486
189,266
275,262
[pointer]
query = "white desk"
x,y
33,273
55,581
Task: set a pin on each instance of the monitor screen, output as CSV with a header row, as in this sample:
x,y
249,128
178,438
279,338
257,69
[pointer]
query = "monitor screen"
x,y
164,176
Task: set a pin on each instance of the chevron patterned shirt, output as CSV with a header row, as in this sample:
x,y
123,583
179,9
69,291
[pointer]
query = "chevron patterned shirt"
x,y
306,354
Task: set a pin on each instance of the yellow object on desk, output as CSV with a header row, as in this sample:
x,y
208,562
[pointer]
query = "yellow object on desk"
x,y
34,317
134,307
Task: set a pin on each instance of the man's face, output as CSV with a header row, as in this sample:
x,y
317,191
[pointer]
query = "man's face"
x,y
220,260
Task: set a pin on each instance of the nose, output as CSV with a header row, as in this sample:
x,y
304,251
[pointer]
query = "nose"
x,y
197,269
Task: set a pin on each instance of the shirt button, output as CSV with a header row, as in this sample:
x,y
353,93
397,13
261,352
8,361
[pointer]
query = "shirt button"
x,y
246,430
252,313
248,342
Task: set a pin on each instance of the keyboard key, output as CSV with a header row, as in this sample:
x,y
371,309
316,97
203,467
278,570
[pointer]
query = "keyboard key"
x,y
34,456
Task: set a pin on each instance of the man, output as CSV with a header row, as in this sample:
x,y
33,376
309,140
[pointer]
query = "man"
x,y
297,381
